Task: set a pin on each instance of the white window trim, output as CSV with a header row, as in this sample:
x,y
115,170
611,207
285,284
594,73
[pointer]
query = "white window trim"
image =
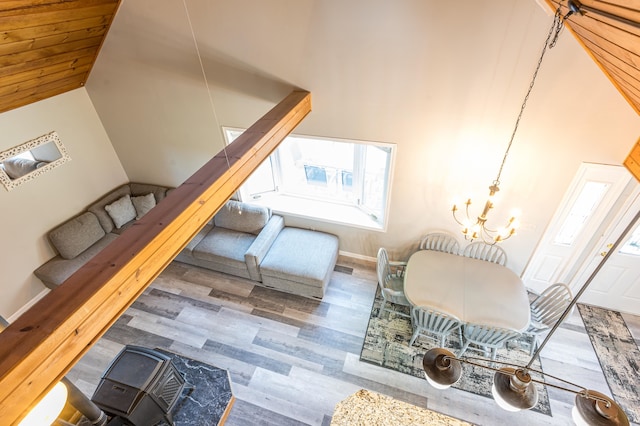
x,y
312,209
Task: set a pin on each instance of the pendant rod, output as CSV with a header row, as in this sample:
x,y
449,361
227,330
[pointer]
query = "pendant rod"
x,y
566,312
577,7
582,391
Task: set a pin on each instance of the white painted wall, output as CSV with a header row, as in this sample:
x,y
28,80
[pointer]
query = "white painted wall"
x,y
29,211
442,80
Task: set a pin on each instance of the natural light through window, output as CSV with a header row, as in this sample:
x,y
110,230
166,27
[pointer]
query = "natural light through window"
x,y
582,209
336,180
632,246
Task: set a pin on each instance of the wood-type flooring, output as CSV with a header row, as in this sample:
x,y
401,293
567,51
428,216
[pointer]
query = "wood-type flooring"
x,y
291,359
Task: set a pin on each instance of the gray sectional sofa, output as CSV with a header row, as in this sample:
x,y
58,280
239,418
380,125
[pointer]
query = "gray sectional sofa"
x,y
242,240
251,242
82,237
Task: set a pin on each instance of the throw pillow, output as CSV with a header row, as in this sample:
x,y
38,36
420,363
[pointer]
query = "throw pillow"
x,y
121,211
76,235
143,204
17,167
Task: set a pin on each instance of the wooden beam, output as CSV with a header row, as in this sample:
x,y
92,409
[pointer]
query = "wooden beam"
x,y
573,25
632,163
46,341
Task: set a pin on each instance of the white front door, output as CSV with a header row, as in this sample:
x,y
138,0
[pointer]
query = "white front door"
x,y
617,284
573,230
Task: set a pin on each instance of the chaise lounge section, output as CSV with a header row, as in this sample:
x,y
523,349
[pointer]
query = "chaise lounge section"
x,y
300,261
249,241
235,241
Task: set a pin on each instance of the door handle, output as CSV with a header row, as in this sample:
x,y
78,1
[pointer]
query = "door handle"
x,y
604,253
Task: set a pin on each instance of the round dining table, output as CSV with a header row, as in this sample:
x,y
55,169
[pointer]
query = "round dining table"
x,y
475,291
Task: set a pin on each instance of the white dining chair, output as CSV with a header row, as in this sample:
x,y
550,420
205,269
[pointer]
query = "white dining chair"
x,y
440,241
391,282
483,251
432,323
546,310
486,338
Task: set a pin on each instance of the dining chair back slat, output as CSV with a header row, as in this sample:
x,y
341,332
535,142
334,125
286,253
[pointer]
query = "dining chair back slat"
x,y
440,241
483,251
549,306
432,323
486,338
546,310
391,282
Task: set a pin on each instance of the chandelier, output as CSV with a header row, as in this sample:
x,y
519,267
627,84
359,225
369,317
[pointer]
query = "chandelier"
x,y
475,228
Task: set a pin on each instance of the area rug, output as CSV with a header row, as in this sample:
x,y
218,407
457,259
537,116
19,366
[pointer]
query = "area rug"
x,y
386,344
618,355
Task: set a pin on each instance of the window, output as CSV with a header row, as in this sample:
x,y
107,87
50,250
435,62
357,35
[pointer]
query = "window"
x,y
337,180
632,245
584,206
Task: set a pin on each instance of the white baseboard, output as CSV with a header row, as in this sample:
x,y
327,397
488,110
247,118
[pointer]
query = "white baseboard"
x,y
357,256
29,304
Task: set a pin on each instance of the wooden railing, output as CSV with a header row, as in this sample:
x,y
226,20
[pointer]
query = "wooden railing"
x,y
47,340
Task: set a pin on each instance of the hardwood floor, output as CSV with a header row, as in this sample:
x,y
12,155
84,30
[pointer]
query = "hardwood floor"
x,y
291,359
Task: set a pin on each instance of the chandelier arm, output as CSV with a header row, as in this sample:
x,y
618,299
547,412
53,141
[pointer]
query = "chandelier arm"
x,y
486,237
582,392
467,210
456,218
486,231
489,231
495,230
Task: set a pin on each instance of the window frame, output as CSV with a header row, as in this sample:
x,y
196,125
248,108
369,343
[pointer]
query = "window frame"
x,y
369,220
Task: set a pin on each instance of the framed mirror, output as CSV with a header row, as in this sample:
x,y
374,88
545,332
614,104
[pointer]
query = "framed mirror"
x,y
31,159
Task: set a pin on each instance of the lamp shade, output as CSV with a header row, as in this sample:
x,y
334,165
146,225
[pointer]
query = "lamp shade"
x,y
591,412
513,389
441,368
47,410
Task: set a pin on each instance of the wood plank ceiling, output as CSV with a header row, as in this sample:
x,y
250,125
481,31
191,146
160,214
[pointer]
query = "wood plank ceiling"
x,y
47,47
610,32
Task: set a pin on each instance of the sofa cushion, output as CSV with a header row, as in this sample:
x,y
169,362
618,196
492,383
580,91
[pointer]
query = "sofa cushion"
x,y
97,208
159,192
121,211
242,217
57,270
76,235
188,249
143,203
225,246
301,255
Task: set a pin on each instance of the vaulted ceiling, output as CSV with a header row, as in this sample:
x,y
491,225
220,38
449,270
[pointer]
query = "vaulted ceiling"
x,y
48,47
610,32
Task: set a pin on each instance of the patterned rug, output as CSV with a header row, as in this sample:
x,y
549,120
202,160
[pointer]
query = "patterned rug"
x,y
618,355
386,344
